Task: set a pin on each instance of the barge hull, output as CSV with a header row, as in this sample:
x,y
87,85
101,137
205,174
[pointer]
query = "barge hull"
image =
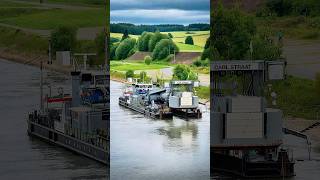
x,y
240,168
145,112
70,143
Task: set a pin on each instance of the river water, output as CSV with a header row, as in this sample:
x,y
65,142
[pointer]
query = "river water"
x,y
145,149
23,157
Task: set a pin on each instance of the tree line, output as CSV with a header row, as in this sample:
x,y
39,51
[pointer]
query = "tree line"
x,y
139,29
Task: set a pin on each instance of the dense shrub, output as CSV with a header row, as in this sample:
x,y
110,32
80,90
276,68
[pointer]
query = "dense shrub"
x,y
170,35
129,74
164,48
183,72
63,38
189,40
125,48
147,60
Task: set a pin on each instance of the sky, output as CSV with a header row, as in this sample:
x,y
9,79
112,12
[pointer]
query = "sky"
x,y
160,11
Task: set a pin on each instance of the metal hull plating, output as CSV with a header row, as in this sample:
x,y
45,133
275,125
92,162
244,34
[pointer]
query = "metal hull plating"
x,y
73,144
145,112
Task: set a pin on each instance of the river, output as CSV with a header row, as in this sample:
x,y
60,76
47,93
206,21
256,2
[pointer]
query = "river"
x,y
23,157
144,148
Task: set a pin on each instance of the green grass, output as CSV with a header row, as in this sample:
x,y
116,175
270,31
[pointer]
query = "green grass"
x,y
189,48
16,12
8,4
125,66
73,2
296,27
119,35
21,42
51,19
297,97
203,92
199,38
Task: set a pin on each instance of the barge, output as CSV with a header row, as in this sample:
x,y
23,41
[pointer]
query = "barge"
x,y
246,133
175,99
78,122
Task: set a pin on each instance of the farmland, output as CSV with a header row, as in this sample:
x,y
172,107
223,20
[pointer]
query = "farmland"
x,y
199,38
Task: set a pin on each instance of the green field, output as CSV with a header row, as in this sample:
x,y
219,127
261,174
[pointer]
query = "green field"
x,y
119,35
125,66
73,2
199,38
9,4
21,42
51,19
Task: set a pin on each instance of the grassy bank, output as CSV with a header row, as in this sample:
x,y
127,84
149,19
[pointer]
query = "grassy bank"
x,y
297,97
296,27
20,41
50,19
125,66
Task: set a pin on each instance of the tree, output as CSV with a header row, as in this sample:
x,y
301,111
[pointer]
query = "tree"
x,y
143,41
183,72
124,48
157,37
113,50
189,40
170,35
63,38
125,35
164,48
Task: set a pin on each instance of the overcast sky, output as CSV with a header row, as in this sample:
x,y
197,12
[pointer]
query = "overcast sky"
x,y
160,11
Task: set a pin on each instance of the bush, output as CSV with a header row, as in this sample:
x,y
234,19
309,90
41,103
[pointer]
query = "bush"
x,y
189,40
125,48
130,74
63,38
157,37
183,72
147,60
197,63
164,48
170,35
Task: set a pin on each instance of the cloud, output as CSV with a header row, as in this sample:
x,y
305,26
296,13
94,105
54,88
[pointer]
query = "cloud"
x,y
160,16
196,5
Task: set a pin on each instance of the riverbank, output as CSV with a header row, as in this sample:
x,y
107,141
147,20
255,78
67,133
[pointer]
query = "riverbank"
x,y
33,60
